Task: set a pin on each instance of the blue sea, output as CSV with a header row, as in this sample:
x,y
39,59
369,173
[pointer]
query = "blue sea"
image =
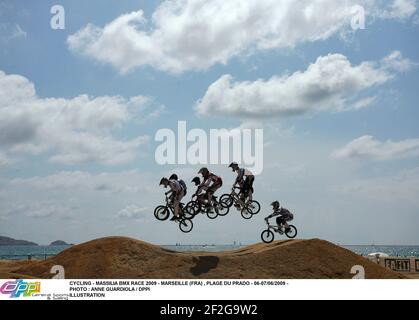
x,y
42,252
393,251
36,252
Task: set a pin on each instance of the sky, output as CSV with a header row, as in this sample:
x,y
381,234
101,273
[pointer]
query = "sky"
x,y
80,108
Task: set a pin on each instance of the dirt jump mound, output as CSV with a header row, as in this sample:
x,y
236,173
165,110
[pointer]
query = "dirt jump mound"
x,y
124,258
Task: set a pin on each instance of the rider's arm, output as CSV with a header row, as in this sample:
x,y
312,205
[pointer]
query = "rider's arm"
x,y
206,184
172,187
198,191
239,177
275,214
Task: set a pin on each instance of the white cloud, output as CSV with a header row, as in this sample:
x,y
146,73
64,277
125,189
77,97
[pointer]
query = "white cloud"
x,y
133,212
10,32
197,34
4,160
400,189
71,131
89,202
329,84
126,182
398,9
364,103
367,147
40,210
147,108
396,62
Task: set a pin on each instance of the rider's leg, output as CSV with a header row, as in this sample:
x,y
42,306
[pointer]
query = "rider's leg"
x,y
201,200
250,195
210,195
172,201
251,181
211,192
280,222
245,190
176,204
179,199
287,226
241,196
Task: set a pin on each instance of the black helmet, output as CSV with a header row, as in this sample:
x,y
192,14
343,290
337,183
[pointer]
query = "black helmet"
x,y
164,181
204,171
234,165
174,177
275,204
197,181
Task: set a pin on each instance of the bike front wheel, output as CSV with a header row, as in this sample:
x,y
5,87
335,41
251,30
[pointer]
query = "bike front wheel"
x,y
291,232
268,236
162,213
185,225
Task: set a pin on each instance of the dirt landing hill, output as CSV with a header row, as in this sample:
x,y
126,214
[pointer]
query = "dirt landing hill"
x,y
123,258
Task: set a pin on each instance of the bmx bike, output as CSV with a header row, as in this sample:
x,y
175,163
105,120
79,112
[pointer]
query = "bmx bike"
x,y
248,209
195,207
162,213
268,236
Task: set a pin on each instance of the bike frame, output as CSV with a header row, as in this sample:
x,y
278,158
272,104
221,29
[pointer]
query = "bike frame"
x,y
201,205
235,195
170,206
275,228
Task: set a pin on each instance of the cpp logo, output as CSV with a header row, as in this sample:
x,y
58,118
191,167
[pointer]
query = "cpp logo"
x,y
20,288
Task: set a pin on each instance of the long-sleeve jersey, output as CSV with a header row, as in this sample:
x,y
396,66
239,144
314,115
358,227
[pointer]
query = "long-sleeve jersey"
x,y
281,212
212,179
243,173
175,186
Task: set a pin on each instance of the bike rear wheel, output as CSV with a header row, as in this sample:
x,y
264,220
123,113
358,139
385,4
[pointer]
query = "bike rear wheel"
x,y
268,236
254,207
221,210
191,210
185,225
212,214
292,232
162,213
227,201
246,214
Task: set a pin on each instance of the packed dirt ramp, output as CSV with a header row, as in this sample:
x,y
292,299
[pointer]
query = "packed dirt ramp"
x,y
124,258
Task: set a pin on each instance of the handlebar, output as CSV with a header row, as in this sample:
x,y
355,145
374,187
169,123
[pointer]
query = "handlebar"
x,y
235,188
